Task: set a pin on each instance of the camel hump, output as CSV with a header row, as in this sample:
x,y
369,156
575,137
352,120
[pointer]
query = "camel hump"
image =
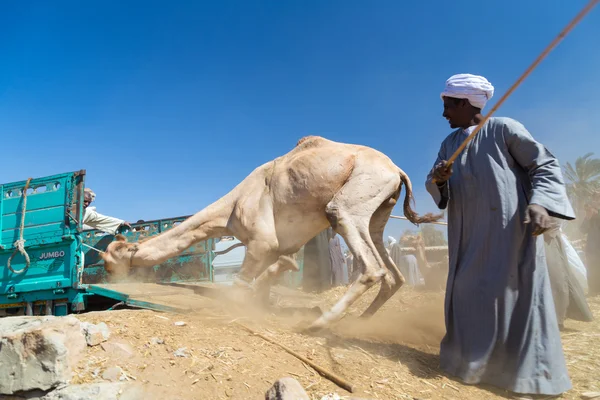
x,y
310,141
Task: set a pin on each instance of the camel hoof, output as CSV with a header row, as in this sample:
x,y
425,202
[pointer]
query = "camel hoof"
x,y
316,310
312,330
316,327
242,284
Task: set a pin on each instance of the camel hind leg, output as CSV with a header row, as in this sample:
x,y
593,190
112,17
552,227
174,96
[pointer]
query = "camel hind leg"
x,y
351,217
393,280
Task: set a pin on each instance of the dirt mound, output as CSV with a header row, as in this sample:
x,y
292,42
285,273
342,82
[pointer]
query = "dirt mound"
x,y
392,355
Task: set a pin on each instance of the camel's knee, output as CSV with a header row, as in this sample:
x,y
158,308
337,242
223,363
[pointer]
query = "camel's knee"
x,y
283,264
286,263
399,280
372,277
391,283
333,214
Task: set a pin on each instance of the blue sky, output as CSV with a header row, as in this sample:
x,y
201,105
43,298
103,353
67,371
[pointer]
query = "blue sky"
x,y
168,105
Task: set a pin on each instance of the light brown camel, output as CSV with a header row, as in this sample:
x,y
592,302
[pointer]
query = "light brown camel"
x,y
284,203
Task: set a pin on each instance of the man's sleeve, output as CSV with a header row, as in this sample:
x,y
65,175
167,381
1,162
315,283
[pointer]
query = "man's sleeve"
x,y
102,222
547,181
439,193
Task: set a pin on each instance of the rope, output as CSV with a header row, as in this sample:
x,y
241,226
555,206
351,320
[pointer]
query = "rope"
x,y
434,222
92,247
20,244
549,48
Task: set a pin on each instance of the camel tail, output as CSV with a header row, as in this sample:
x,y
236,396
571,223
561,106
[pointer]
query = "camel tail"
x,y
409,213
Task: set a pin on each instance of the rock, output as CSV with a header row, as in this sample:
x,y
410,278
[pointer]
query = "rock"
x,y
113,374
286,389
181,352
179,323
156,340
95,334
98,391
118,349
331,396
590,395
38,352
32,395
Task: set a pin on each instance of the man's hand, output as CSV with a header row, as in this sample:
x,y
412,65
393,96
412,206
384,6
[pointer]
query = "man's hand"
x,y
538,216
128,225
442,172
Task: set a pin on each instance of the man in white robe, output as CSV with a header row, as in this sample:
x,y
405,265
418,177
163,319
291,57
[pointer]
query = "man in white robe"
x,y
92,219
501,326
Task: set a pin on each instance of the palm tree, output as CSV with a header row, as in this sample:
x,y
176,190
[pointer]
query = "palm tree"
x,y
583,180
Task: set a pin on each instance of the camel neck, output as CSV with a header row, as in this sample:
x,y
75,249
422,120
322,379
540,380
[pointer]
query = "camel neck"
x,y
207,223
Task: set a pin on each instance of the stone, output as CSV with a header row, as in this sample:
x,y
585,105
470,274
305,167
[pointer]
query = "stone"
x,y
118,349
357,398
181,352
179,323
99,391
113,374
286,389
37,353
156,340
32,395
95,334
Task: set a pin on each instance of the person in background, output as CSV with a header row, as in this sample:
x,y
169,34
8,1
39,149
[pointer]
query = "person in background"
x,y
591,227
353,270
391,243
339,273
408,263
316,274
575,262
139,228
500,192
94,220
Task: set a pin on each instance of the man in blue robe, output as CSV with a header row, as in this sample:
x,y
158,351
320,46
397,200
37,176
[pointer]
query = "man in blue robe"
x,y
501,326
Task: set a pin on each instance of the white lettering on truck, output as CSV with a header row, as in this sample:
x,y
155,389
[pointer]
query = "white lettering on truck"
x,y
52,254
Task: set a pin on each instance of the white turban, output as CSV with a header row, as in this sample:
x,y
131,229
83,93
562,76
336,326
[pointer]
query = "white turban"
x,y
89,192
474,88
391,240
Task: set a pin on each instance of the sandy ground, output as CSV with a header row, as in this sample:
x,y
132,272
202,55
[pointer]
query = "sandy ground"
x,y
392,356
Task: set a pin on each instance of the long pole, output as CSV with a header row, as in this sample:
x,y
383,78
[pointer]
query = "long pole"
x,y
338,380
548,49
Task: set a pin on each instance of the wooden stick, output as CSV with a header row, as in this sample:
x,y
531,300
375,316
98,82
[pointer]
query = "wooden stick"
x,y
435,222
549,48
338,380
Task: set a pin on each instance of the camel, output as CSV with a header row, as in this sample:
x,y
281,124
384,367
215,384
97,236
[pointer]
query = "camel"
x,y
284,203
